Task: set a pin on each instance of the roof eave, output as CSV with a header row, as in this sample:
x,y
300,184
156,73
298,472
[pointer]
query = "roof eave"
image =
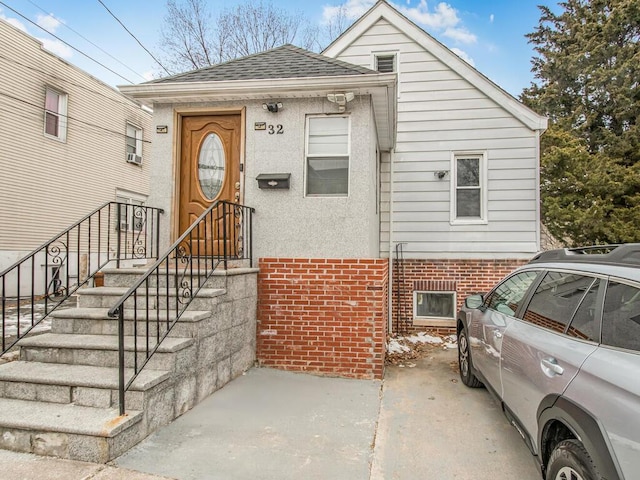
x,y
381,87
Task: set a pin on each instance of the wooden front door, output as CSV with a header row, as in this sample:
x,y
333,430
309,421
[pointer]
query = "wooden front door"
x,y
209,171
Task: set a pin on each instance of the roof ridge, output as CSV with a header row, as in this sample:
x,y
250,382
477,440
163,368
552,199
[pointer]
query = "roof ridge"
x,y
284,61
226,62
335,61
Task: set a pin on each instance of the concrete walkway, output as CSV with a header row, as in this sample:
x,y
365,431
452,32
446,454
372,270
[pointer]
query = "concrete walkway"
x,y
420,423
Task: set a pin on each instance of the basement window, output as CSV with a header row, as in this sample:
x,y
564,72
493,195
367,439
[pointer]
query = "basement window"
x,y
434,305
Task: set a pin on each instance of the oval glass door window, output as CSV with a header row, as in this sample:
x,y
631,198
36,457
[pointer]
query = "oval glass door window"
x,y
211,165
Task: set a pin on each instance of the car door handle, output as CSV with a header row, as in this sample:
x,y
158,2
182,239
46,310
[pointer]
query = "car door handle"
x,y
552,364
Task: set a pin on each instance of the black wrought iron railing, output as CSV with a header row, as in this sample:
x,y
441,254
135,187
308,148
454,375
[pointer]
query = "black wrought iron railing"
x,y
153,305
43,280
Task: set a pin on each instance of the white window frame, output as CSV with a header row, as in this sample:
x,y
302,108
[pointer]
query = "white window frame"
x,y
483,219
432,317
138,138
61,114
307,156
130,198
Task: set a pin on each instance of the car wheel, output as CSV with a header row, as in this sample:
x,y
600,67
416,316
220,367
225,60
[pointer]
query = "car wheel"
x,y
570,461
464,361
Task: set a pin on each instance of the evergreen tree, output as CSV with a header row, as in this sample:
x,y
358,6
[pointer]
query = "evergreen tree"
x,y
588,82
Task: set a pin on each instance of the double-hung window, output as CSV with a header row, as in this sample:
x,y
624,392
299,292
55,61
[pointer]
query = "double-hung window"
x,y
133,140
55,114
327,162
132,213
468,188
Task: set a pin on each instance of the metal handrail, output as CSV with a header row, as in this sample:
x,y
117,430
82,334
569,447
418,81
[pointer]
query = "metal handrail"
x,y
223,232
53,272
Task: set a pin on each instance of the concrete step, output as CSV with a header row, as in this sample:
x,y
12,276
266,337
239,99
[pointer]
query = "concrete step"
x,y
83,385
67,431
95,321
173,354
126,277
161,298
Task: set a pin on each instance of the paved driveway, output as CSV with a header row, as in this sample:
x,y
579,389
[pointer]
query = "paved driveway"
x,y
432,427
420,423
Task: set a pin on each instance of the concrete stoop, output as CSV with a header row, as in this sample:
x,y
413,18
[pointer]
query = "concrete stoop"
x,y
61,397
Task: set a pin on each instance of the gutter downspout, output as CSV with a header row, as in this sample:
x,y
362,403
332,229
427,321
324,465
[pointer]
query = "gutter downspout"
x,y
538,199
391,240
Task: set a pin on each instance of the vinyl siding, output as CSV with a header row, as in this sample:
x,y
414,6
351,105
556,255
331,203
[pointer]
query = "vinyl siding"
x,y
440,113
46,184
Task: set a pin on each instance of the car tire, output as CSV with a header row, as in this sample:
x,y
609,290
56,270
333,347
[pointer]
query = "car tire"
x,y
464,361
571,461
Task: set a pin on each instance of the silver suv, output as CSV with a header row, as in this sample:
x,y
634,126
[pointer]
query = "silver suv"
x,y
558,343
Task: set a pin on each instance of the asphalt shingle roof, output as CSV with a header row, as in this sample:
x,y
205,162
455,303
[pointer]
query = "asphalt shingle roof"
x,y
287,61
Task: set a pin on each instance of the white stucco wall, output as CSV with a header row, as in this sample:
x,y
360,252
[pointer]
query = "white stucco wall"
x,y
286,223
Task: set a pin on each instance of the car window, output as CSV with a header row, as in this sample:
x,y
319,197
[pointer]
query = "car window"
x,y
585,322
556,300
621,316
507,296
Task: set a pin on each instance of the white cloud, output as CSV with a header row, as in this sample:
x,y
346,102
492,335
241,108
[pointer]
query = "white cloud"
x,y
149,75
443,16
12,21
351,10
463,55
492,18
461,35
48,22
45,21
57,47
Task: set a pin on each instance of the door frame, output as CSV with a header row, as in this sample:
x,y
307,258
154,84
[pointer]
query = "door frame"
x,y
178,115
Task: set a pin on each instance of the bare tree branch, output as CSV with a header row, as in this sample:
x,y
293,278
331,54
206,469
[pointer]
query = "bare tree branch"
x,y
192,38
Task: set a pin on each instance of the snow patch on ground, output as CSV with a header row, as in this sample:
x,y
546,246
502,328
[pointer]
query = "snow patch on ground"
x,y
394,346
402,348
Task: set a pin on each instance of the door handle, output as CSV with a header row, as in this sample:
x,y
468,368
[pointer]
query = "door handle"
x,y
552,364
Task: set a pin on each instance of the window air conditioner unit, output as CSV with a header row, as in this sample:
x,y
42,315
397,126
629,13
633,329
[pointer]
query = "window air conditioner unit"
x,y
134,158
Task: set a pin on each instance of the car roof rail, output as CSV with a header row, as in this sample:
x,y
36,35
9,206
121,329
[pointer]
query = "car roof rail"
x,y
615,254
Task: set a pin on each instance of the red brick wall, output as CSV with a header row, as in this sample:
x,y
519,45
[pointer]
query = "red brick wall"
x,y
325,316
465,277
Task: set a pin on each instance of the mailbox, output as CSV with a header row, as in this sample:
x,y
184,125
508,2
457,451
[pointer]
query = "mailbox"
x,y
271,181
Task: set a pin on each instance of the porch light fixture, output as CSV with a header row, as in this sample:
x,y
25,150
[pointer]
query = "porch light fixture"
x,y
272,107
341,99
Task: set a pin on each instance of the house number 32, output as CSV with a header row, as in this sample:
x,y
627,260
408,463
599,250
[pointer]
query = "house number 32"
x,y
277,129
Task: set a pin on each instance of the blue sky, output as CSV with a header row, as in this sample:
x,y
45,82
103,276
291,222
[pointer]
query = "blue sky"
x,y
489,34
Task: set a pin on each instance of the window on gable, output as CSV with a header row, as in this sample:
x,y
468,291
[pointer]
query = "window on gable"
x,y
468,190
327,164
133,141
55,114
386,63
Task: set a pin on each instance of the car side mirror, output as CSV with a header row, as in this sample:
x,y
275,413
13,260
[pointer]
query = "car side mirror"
x,y
473,301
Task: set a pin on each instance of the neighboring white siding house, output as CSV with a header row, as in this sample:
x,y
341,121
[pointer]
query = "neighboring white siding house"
x,y
462,182
63,144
